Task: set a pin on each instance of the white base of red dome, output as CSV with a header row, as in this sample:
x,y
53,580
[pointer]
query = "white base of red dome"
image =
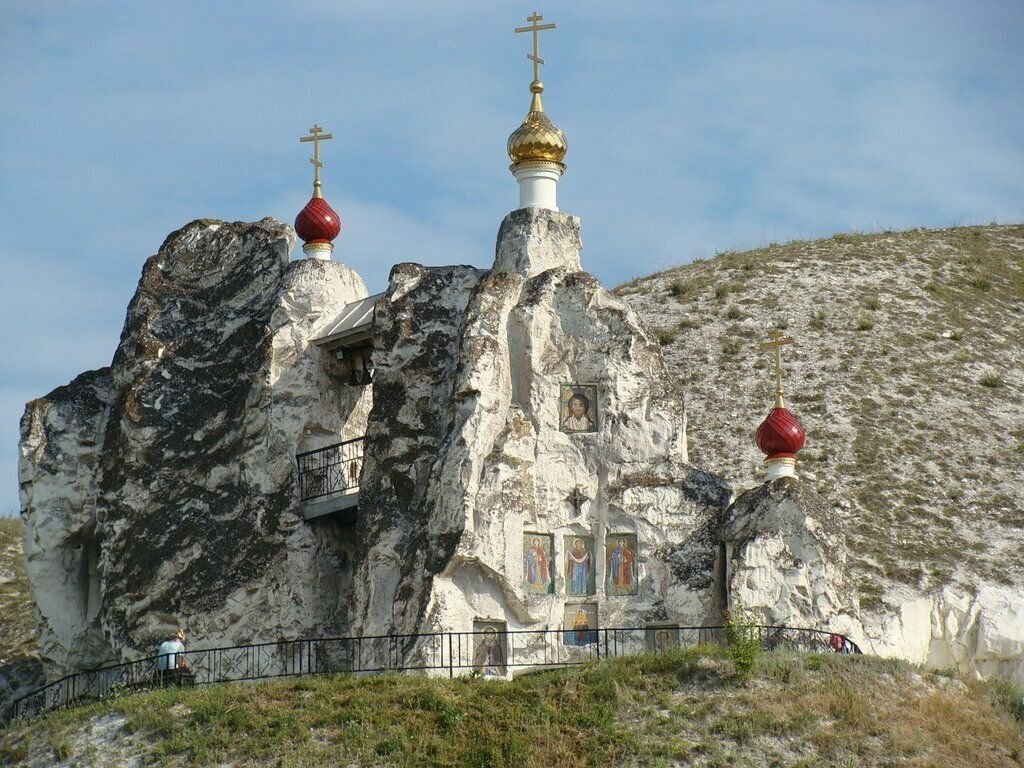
x,y
782,466
318,250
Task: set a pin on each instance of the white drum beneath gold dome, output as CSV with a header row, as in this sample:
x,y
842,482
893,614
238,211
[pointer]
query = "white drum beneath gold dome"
x,y
536,149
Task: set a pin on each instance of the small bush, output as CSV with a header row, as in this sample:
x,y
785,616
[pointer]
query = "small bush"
x,y
721,292
733,312
981,284
666,337
731,347
991,381
743,640
677,288
865,323
873,304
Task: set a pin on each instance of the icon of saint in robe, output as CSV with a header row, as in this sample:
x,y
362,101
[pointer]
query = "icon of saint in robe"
x,y
535,567
489,659
622,575
580,632
576,417
577,568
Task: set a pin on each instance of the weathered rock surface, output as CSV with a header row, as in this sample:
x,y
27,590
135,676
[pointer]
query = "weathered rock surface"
x,y
908,375
467,413
162,490
785,554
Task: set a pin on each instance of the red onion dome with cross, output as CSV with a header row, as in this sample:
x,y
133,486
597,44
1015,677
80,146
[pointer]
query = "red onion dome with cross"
x,y
317,222
780,435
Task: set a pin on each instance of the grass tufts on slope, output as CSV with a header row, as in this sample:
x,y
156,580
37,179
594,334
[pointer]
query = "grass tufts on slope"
x,y
686,707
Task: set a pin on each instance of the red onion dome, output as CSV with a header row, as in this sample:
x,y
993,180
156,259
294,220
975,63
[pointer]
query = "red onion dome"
x,y
317,222
780,435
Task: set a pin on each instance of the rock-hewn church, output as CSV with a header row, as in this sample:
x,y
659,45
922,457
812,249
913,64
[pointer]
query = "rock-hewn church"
x,y
274,453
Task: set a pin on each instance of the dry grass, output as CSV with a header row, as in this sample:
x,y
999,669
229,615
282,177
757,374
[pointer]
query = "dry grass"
x,y
683,708
17,624
903,333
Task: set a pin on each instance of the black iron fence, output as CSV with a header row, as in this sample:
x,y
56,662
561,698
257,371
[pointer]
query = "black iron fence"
x,y
331,470
488,653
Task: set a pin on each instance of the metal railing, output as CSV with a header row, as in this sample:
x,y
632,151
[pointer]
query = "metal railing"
x,y
331,470
486,653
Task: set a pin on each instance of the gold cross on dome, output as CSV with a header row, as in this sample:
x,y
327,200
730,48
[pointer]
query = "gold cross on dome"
x,y
535,27
316,135
778,341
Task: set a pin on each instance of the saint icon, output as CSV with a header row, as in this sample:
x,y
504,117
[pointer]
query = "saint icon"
x,y
622,571
578,408
578,567
580,624
536,564
489,659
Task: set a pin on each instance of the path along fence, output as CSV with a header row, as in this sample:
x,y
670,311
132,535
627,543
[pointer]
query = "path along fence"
x,y
488,652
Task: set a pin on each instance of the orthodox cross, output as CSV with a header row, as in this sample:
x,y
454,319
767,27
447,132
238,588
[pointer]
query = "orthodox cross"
x,y
316,136
534,19
777,342
576,498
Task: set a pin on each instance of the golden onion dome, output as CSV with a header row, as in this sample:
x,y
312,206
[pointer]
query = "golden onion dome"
x,y
537,139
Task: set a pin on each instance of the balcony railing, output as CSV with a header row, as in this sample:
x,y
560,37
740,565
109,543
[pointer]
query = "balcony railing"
x,y
486,653
332,470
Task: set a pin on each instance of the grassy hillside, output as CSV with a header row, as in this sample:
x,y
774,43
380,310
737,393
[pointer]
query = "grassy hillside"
x,y
908,375
17,624
684,708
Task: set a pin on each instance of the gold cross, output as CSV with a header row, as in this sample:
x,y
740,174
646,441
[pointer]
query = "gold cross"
x,y
316,137
777,342
535,27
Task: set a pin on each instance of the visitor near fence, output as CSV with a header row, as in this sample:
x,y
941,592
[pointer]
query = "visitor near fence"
x,y
170,660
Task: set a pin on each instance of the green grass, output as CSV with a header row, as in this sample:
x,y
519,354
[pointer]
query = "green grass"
x,y
685,707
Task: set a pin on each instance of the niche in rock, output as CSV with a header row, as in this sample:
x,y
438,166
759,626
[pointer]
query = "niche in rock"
x,y
82,564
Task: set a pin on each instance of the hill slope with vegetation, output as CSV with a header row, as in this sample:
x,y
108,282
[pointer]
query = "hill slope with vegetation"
x,y
20,670
683,708
907,373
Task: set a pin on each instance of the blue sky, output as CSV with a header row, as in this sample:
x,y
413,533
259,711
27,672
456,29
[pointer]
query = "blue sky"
x,y
693,128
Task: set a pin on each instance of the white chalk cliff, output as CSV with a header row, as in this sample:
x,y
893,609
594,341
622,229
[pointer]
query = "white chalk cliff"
x,y
163,489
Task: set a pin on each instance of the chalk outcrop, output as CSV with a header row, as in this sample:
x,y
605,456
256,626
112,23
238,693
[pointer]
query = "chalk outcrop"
x,y
471,455
526,458
785,554
162,490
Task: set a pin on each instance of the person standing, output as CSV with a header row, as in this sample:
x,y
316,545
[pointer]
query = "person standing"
x,y
171,657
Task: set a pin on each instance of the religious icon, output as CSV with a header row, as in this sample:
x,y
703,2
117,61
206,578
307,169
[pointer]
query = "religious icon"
x,y
489,657
622,571
579,565
578,408
661,639
580,626
537,561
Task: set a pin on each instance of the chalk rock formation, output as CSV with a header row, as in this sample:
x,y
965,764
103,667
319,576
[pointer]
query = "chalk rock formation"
x,y
978,631
467,452
162,489
908,375
785,556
